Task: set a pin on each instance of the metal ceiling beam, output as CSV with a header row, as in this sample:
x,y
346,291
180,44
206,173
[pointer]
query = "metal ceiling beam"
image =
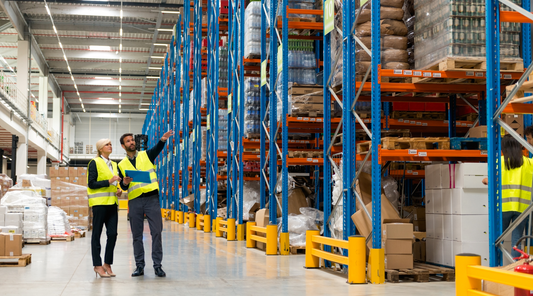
x,y
6,26
157,26
99,74
97,26
111,3
85,40
15,16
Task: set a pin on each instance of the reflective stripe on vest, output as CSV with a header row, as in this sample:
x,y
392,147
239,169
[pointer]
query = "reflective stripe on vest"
x,y
142,163
104,195
517,187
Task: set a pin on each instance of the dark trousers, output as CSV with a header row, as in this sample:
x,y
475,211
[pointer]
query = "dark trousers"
x,y
149,206
104,215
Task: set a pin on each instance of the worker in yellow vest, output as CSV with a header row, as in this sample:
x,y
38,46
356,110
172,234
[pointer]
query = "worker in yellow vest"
x,y
143,200
517,181
102,179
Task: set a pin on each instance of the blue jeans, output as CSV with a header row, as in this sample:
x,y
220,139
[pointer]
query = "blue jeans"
x,y
518,232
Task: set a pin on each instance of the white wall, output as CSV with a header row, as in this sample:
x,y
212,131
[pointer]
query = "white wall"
x,y
91,129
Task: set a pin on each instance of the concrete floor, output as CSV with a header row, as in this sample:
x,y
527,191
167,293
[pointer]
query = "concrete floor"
x,y
195,263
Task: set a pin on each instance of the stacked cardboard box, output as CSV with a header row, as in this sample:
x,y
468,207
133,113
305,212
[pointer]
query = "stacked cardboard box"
x,y
10,244
456,212
72,197
417,216
397,240
5,183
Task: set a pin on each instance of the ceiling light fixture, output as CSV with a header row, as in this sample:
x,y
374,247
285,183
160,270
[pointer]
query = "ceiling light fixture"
x,y
157,57
143,109
47,10
170,12
55,30
152,77
154,68
121,32
165,30
121,13
104,78
60,45
100,47
160,44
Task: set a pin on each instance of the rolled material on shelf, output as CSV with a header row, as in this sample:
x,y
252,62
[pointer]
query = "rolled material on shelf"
x,y
395,42
385,13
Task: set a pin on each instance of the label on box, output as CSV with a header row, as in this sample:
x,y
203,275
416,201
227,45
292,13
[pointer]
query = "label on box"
x,y
411,151
422,154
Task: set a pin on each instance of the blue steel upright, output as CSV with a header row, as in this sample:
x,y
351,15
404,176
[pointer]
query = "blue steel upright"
x,y
240,89
492,20
231,129
376,126
263,101
186,95
327,133
177,114
273,167
348,132
526,54
197,102
284,125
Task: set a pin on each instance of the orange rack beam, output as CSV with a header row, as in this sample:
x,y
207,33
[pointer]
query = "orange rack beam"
x,y
408,173
429,155
473,74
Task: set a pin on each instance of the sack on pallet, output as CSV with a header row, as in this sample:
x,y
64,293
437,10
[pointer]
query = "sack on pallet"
x,y
387,27
389,41
385,13
387,56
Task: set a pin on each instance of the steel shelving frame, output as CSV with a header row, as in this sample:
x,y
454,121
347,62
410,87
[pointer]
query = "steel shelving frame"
x,y
213,12
185,94
235,114
197,102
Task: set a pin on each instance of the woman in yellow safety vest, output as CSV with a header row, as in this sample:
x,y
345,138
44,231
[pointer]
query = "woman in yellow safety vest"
x,y
102,180
517,179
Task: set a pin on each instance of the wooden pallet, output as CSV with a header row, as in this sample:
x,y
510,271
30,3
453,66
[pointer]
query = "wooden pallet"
x,y
311,19
297,250
37,241
469,143
407,166
80,234
66,238
418,115
8,261
393,143
467,64
421,272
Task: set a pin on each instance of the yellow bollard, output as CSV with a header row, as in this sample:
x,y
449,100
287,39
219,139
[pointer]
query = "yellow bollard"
x,y
284,245
231,230
272,240
172,214
356,260
198,220
185,217
192,219
181,218
377,266
310,260
163,213
207,223
218,233
240,232
463,283
250,243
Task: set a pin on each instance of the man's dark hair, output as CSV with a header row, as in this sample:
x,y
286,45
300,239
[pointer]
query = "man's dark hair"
x,y
123,136
529,131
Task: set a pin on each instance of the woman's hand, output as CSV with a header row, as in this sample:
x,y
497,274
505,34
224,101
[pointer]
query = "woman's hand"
x,y
115,178
119,192
485,181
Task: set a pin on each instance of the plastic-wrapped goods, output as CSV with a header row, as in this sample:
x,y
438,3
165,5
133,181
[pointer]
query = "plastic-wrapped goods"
x,y
250,196
33,209
252,106
385,13
336,47
456,29
252,34
298,225
223,67
58,224
204,143
223,129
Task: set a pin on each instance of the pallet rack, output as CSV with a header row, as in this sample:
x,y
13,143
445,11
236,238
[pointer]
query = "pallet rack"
x,y
486,97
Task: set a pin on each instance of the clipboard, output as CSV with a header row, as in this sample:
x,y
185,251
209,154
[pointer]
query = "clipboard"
x,y
139,176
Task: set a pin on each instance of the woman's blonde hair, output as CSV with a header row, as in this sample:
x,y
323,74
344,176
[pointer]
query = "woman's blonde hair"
x,y
100,144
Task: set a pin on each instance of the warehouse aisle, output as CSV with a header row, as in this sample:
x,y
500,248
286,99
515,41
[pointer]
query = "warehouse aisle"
x,y
195,263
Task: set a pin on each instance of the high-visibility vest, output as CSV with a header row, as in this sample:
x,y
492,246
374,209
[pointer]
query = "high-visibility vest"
x,y
105,195
142,163
517,186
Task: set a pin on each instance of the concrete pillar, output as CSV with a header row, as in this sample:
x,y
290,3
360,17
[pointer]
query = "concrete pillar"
x,y
43,96
23,53
57,115
41,162
4,167
22,158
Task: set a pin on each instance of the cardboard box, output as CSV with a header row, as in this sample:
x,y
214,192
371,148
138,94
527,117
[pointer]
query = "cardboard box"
x,y
515,121
13,245
297,200
64,179
54,172
419,251
82,181
478,132
26,183
433,176
418,235
82,172
399,261
416,213
364,188
470,201
55,182
72,172
63,172
419,225
66,209
471,228
364,226
464,175
395,231
84,210
74,180
2,244
398,246
447,227
56,200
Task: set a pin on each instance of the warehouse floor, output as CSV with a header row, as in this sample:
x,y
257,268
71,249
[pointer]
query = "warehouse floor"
x,y
195,263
